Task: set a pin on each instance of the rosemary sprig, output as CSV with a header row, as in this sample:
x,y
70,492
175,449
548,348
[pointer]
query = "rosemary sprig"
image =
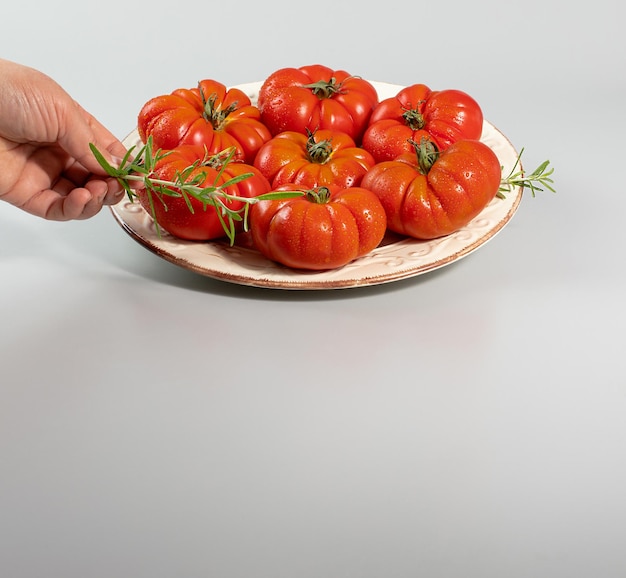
x,y
139,169
517,178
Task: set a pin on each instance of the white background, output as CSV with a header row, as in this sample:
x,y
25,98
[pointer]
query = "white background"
x,y
468,423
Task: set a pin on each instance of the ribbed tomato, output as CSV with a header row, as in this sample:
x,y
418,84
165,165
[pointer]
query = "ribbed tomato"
x,y
320,230
325,158
210,115
316,97
431,194
188,217
417,112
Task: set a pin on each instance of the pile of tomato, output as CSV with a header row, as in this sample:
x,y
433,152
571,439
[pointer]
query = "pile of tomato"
x,y
412,164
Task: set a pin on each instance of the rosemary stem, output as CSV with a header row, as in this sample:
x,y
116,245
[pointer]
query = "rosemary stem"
x,y
210,191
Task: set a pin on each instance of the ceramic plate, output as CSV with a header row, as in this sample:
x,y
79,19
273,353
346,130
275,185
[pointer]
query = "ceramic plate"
x,y
396,258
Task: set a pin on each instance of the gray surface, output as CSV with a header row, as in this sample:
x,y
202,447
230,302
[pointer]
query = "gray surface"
x,y
468,423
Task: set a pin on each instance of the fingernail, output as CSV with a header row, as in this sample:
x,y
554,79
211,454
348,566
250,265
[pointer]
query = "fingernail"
x,y
116,161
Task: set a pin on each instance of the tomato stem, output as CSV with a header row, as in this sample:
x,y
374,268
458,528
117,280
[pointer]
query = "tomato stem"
x,y
427,154
324,88
319,195
414,119
318,151
216,115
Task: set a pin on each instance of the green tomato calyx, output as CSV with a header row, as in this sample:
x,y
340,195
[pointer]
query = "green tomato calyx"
x,y
427,154
318,151
319,195
324,88
414,119
216,115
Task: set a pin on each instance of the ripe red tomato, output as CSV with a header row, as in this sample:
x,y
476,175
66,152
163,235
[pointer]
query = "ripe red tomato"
x,y
325,158
431,194
201,222
416,112
320,230
316,97
209,115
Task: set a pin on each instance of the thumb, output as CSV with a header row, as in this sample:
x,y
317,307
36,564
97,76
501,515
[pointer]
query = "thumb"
x,y
81,130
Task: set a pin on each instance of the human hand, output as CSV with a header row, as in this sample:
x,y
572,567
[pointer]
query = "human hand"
x,y
48,168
